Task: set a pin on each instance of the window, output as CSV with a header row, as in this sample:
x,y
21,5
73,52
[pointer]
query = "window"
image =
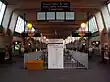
x,y
60,16
2,10
41,16
64,16
108,7
69,15
99,21
20,25
50,15
92,25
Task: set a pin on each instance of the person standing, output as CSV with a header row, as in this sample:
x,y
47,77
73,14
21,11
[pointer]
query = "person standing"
x,y
9,47
90,51
102,55
22,51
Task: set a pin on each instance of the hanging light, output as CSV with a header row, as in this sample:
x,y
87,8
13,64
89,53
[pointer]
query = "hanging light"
x,y
44,37
16,42
69,37
97,42
32,30
83,25
29,25
47,40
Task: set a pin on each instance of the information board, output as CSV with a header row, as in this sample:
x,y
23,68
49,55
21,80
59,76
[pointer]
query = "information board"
x,y
55,6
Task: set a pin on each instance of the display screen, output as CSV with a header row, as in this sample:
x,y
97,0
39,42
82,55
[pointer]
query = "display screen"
x,y
69,15
50,15
60,16
41,16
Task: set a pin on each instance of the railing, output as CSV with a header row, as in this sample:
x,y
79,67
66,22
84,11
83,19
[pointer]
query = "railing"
x,y
81,58
73,59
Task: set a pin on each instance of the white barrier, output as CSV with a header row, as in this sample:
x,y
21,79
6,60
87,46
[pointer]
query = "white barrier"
x,y
82,58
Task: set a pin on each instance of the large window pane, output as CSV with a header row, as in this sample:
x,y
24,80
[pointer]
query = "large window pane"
x,y
92,25
60,16
50,15
106,16
95,25
2,10
99,21
108,7
69,15
40,15
0,5
20,25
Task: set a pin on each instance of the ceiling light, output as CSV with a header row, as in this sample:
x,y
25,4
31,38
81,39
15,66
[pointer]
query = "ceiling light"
x,y
16,42
47,39
69,37
83,25
33,30
44,37
97,42
29,44
29,25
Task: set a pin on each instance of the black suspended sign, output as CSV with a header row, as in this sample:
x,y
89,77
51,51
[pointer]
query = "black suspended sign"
x,y
81,34
31,35
55,6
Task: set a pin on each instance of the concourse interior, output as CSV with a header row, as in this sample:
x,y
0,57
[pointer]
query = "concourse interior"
x,y
54,41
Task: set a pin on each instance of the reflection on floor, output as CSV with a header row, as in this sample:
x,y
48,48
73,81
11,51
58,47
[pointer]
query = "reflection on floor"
x,y
96,73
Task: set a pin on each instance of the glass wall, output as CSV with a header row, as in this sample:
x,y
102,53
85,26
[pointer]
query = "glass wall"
x,y
92,25
99,21
108,7
106,16
19,25
2,10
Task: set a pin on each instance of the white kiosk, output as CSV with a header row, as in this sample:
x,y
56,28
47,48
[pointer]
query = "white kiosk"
x,y
55,54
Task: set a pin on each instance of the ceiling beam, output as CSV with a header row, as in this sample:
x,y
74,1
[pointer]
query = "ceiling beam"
x,y
27,4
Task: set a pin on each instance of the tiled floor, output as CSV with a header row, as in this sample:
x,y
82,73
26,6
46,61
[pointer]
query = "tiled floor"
x,y
96,73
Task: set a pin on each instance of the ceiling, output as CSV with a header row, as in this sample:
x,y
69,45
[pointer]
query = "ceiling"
x,y
57,29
